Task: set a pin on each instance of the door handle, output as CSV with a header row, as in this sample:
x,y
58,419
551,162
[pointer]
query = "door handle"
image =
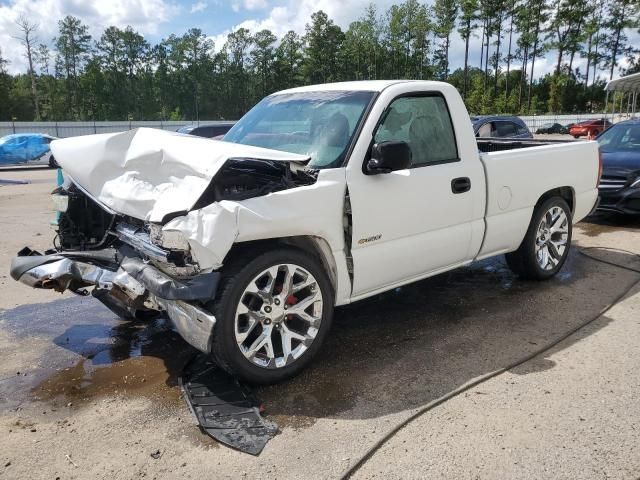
x,y
460,185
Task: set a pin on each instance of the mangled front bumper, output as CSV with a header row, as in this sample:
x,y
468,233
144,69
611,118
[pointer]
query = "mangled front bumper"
x,y
128,283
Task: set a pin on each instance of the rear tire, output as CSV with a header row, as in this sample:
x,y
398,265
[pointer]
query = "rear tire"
x,y
546,244
249,310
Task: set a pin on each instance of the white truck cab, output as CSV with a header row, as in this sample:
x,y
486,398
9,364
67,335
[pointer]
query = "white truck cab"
x,y
319,196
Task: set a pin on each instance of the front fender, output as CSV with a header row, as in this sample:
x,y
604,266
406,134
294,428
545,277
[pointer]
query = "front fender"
x,y
314,211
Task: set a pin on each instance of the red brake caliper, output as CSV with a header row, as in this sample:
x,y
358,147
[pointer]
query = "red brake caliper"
x,y
291,300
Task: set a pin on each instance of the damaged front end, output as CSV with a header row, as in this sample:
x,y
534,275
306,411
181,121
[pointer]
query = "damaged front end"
x,y
123,269
111,238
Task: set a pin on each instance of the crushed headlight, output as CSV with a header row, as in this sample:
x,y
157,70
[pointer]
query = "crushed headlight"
x,y
60,203
170,240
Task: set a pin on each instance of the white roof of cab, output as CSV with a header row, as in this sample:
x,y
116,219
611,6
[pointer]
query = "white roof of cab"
x,y
362,86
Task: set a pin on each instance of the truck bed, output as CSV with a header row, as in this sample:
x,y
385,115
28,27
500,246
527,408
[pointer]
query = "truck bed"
x,y
486,145
517,171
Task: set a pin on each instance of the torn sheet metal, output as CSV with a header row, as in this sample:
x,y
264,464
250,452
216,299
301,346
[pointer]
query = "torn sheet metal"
x,y
312,210
148,173
225,409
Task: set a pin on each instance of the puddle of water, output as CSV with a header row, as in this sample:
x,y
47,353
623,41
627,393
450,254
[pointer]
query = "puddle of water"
x,y
141,376
600,223
93,353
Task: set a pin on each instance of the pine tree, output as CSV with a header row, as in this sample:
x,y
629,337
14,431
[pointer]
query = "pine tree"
x,y
445,13
74,46
466,27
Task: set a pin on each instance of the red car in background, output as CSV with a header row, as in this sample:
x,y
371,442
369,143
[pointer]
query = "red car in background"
x,y
589,127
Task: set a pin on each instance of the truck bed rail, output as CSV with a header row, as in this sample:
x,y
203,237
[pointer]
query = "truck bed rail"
x,y
487,145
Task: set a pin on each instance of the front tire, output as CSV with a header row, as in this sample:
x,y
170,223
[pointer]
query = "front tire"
x,y
546,244
273,314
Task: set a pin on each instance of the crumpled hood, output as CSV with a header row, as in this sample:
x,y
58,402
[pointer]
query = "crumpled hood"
x,y
148,173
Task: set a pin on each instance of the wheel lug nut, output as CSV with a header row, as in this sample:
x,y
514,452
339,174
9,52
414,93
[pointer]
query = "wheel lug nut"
x,y
267,321
276,301
267,309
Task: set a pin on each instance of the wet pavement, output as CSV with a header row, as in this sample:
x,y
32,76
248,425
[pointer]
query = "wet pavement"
x,y
91,353
610,223
75,380
456,319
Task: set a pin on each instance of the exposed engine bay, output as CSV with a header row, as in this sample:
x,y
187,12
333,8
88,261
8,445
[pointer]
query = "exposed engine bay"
x,y
242,178
84,224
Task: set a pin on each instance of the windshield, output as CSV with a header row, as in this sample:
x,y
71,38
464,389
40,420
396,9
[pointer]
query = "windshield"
x,y
620,138
318,124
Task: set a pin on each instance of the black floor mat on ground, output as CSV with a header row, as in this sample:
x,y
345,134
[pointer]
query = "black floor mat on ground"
x,y
224,408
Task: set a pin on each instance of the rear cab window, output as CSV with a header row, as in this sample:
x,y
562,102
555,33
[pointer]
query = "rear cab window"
x,y
506,129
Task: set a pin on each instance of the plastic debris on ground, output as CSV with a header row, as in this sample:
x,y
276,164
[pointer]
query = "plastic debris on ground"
x,y
225,409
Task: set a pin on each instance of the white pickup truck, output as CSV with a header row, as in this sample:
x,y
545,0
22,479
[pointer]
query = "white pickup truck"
x,y
318,197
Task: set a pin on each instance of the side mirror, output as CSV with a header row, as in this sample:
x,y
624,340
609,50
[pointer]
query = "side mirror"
x,y
387,157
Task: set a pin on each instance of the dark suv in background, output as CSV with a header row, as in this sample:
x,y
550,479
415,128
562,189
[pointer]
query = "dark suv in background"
x,y
620,182
500,126
209,130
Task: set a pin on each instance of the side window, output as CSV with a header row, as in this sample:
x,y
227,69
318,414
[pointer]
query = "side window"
x,y
425,124
204,132
522,130
505,129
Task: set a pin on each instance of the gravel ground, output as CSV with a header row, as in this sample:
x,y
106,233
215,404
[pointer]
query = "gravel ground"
x,y
85,395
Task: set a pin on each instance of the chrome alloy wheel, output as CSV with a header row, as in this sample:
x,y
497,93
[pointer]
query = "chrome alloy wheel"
x,y
551,238
278,316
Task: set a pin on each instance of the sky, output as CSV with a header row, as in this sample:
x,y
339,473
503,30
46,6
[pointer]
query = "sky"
x,y
157,19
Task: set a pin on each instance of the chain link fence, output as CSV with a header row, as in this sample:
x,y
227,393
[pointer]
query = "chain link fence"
x,y
72,129
536,121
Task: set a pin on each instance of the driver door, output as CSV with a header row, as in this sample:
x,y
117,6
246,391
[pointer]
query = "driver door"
x,y
408,223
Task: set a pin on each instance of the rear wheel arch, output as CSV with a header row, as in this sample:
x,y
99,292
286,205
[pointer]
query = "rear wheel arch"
x,y
567,193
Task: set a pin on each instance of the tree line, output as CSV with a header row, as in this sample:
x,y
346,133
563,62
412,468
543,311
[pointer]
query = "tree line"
x,y
121,76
